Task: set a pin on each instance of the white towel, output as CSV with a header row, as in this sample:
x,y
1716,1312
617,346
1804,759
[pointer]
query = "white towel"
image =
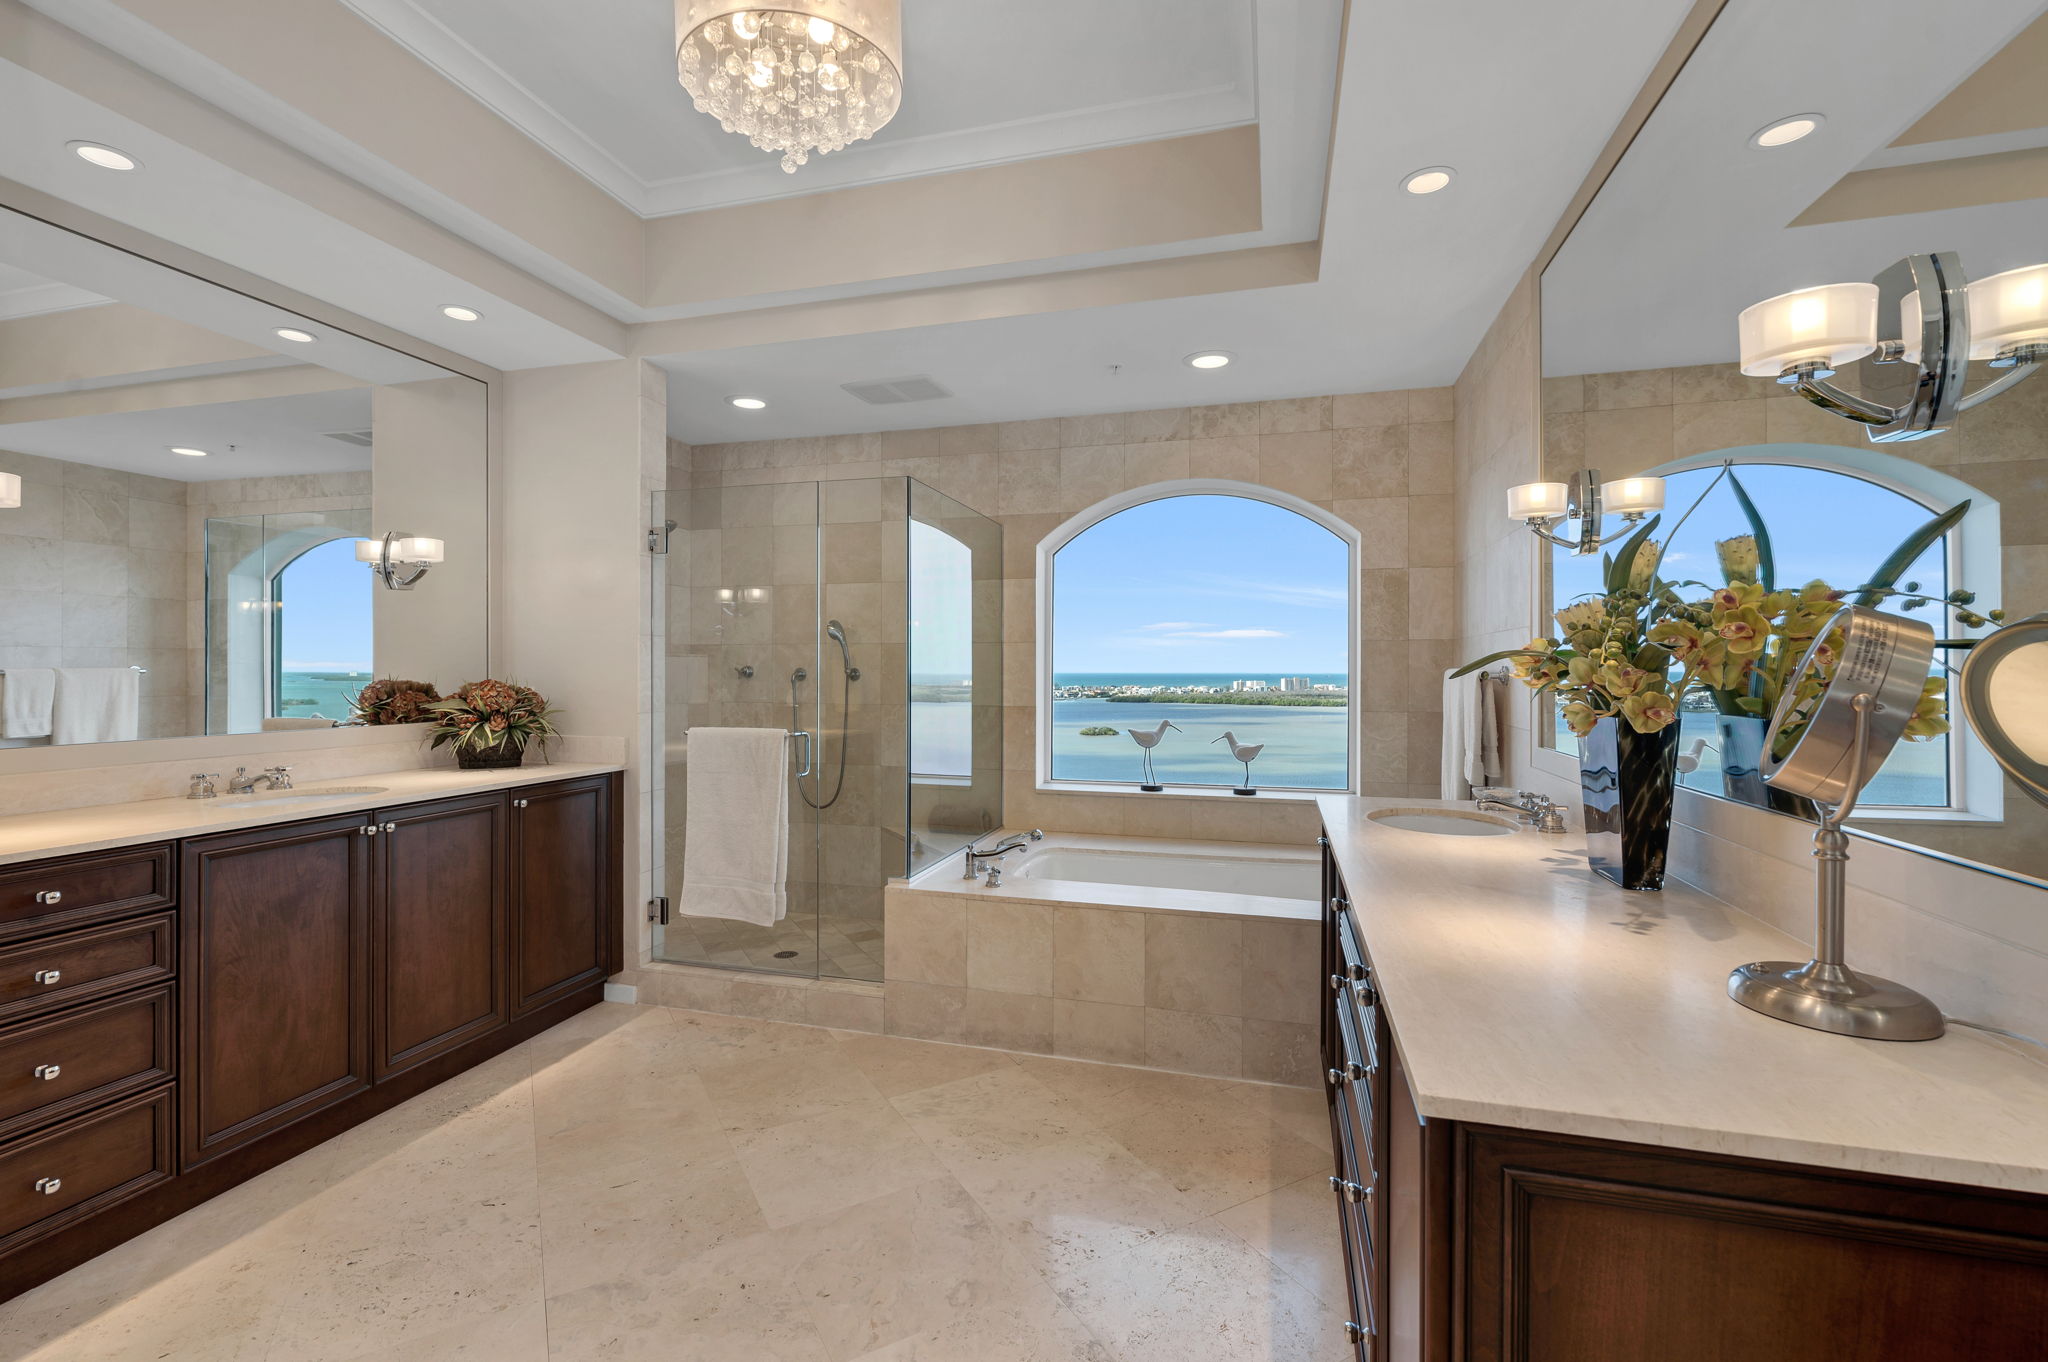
x,y
736,835
25,695
1472,741
96,704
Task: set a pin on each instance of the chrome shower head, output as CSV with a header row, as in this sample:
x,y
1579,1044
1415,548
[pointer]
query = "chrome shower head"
x,y
836,631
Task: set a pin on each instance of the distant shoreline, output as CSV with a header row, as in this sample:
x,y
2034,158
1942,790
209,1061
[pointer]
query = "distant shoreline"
x,y
1294,699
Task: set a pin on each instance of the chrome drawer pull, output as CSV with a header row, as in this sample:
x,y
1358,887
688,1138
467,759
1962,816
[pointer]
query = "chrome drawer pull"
x,y
1354,1333
50,896
46,977
1354,1071
1353,1192
1336,1077
49,1186
46,1072
1336,983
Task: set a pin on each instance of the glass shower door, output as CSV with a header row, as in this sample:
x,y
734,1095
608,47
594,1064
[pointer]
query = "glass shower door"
x,y
738,601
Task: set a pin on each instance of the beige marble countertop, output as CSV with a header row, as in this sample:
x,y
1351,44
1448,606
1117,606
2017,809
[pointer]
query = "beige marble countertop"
x,y
1528,992
98,827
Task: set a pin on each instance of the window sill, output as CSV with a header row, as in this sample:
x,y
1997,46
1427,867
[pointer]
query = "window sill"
x,y
1180,792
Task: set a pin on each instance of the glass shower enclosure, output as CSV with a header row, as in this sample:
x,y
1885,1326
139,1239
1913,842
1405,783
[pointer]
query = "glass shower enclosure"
x,y
863,617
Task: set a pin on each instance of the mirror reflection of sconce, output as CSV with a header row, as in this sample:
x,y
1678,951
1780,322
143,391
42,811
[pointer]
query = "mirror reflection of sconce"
x,y
400,559
10,491
1829,737
1945,321
2005,700
736,601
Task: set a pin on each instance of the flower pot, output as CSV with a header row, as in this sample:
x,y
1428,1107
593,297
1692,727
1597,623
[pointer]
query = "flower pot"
x,y
1626,779
496,758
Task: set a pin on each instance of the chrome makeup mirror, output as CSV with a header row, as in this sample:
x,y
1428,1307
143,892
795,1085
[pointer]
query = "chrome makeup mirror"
x,y
1845,708
2005,700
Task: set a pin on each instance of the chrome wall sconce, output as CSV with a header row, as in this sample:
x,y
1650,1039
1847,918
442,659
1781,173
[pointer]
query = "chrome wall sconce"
x,y
10,491
1911,385
1541,505
400,559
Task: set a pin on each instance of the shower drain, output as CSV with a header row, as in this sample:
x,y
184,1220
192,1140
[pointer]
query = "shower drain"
x,y
785,955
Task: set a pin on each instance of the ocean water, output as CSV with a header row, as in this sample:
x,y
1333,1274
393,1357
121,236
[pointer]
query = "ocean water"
x,y
1220,680
326,694
1302,747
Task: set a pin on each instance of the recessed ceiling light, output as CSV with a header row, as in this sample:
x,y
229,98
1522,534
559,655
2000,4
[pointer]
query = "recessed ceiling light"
x,y
747,403
1427,180
292,333
104,156
459,313
188,451
1786,130
1209,359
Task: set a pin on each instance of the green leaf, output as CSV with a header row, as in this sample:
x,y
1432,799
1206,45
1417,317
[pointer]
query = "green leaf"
x,y
1909,551
1622,567
1766,567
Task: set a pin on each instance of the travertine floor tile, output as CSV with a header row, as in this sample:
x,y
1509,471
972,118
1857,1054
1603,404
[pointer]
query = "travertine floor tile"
x,y
647,1185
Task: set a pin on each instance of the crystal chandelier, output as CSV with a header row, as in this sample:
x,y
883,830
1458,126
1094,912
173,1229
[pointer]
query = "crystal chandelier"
x,y
816,75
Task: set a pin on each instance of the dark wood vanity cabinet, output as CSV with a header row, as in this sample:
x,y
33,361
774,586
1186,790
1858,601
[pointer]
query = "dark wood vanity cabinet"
x,y
564,889
276,979
175,1019
1476,1243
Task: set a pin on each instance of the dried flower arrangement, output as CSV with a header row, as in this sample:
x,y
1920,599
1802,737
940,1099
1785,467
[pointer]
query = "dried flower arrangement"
x,y
392,701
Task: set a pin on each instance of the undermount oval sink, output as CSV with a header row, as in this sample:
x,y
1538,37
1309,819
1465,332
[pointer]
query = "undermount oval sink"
x,y
1443,822
321,793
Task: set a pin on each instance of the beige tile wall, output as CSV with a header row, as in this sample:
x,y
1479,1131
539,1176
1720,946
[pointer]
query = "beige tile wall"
x,y
1212,995
1381,461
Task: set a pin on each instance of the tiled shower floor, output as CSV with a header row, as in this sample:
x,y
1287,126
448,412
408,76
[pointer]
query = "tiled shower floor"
x,y
643,1184
839,947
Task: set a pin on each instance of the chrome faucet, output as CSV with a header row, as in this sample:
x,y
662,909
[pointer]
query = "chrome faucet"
x,y
989,861
202,785
1534,810
274,777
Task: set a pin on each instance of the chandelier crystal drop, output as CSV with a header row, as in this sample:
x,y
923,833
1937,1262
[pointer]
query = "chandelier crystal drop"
x,y
811,76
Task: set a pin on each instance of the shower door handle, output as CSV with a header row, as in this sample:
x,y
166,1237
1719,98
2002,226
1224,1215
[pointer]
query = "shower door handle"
x,y
806,768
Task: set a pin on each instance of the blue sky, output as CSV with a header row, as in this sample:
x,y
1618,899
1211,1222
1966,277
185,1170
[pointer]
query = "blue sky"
x,y
1822,524
326,616
1201,584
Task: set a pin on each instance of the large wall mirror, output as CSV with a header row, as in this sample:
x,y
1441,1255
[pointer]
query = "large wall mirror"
x,y
1801,147
196,491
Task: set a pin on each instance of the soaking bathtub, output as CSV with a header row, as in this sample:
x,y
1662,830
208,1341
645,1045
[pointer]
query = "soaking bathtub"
x,y
1212,878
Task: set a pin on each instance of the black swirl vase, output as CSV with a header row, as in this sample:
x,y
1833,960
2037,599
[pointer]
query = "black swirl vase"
x,y
1626,780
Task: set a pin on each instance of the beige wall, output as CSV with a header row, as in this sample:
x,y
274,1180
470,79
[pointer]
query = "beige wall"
x,y
1379,461
431,467
1975,942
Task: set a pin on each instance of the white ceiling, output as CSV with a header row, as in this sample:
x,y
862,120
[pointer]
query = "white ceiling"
x,y
273,436
991,80
1690,229
23,294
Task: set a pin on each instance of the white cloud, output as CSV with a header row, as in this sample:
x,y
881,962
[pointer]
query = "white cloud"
x,y
1174,624
1230,633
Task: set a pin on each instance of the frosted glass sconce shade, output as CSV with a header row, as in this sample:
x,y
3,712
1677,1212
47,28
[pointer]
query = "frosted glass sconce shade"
x,y
418,549
1633,496
1832,325
10,491
369,550
400,559
1538,501
2009,310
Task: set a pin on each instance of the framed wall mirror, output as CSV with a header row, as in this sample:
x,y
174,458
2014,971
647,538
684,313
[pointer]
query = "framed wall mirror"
x,y
196,493
1912,163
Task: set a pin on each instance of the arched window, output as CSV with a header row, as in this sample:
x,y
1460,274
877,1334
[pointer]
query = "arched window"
x,y
1213,607
1833,514
322,643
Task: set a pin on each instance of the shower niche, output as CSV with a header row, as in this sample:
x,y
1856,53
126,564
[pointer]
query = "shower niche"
x,y
864,618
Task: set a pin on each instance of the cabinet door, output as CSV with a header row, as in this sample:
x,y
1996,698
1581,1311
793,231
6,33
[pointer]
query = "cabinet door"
x,y
564,890
276,975
438,951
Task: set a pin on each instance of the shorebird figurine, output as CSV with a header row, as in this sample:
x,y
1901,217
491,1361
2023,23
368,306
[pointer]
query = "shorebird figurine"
x,y
1148,741
1244,752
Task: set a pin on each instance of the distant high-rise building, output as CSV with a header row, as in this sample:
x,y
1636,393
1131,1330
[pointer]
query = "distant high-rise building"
x,y
1251,685
1292,684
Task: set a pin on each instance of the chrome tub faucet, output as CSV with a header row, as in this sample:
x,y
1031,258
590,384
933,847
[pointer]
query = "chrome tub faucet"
x,y
990,861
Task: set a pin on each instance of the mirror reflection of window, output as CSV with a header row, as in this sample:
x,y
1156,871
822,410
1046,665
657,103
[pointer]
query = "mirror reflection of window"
x,y
941,655
1829,524
322,640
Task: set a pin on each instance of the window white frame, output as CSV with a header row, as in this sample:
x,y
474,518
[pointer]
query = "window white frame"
x,y
1102,510
1976,784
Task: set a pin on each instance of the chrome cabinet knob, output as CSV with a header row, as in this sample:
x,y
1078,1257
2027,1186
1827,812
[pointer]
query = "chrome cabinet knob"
x,y
46,1072
391,827
49,1186
1353,1332
50,896
1367,995
1335,1077
369,830
1336,983
1353,1192
1354,1071
46,977
518,803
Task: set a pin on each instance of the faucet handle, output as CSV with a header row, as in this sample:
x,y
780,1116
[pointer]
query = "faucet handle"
x,y
280,777
1036,834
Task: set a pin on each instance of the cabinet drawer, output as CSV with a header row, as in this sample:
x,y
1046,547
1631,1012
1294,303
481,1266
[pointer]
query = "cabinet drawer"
x,y
37,976
55,894
57,1176
64,1063
1355,1191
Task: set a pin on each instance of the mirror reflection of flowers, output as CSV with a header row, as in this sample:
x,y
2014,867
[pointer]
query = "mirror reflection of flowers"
x,y
492,716
391,701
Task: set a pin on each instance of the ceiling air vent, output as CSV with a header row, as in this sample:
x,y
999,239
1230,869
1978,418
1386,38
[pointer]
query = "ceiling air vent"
x,y
889,391
359,438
